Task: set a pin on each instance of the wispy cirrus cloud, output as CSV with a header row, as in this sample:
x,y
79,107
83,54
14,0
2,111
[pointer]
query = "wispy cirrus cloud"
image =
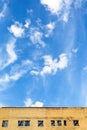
x,y
3,11
9,56
29,103
16,72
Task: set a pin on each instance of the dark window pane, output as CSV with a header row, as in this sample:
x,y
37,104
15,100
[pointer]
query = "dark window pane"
x,y
52,123
59,122
65,123
40,123
76,123
27,123
20,123
5,123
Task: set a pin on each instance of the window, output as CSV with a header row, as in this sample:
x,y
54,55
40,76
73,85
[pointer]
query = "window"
x,y
23,123
76,123
52,123
27,123
64,123
59,122
40,123
20,123
4,123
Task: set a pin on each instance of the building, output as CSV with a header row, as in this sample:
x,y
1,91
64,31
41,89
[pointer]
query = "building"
x,y
43,118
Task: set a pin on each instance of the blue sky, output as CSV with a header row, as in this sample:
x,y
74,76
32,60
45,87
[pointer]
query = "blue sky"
x,y
43,53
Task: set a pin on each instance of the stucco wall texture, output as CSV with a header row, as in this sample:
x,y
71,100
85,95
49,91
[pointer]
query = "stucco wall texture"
x,y
74,118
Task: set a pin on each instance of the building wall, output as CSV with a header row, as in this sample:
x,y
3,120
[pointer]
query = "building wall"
x,y
47,115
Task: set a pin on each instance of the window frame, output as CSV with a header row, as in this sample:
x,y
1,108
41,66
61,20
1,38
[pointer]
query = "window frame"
x,y
52,122
59,122
22,123
76,122
5,123
64,122
27,121
40,123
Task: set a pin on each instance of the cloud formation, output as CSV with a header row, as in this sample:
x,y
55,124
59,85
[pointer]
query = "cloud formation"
x,y
36,37
49,28
53,6
27,23
3,11
51,66
16,72
29,103
10,56
17,29
61,8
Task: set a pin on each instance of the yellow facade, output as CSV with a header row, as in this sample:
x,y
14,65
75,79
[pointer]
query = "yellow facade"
x,y
43,118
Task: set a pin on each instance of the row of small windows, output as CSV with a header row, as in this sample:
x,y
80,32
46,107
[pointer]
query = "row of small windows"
x,y
41,123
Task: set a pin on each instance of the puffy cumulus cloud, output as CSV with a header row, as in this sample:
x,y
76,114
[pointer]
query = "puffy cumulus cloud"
x,y
61,7
3,11
49,28
17,29
51,66
10,56
63,62
53,6
36,37
29,103
16,72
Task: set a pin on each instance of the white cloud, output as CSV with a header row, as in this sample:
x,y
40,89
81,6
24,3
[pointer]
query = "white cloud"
x,y
15,73
51,66
29,103
34,72
36,37
61,8
17,29
65,17
27,23
3,12
53,5
11,52
63,62
49,28
10,56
